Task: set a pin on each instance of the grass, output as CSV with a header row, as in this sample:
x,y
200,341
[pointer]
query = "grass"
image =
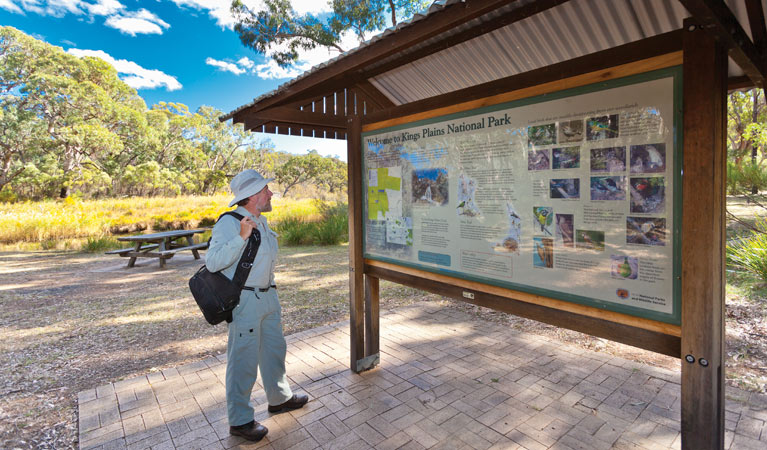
x,y
91,225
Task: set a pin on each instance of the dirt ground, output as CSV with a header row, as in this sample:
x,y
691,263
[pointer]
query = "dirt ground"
x,y
72,321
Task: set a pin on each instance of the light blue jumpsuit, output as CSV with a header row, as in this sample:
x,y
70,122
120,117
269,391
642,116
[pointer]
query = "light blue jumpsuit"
x,y
255,334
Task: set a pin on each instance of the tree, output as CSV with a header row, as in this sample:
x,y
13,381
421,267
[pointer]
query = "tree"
x,y
746,139
334,176
278,31
300,169
85,110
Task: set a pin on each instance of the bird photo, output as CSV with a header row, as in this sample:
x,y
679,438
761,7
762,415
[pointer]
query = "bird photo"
x,y
565,188
612,159
541,135
648,195
608,188
648,158
565,229
544,252
538,160
646,230
544,218
602,127
590,240
566,158
571,131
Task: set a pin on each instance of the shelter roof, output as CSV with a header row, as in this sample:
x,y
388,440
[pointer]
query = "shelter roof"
x,y
456,45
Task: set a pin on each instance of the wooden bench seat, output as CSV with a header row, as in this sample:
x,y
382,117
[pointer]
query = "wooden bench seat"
x,y
194,248
125,251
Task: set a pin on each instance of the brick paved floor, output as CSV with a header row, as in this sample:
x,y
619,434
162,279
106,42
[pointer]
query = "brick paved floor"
x,y
446,380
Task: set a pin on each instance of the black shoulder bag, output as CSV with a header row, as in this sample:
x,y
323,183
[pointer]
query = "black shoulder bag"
x,y
217,295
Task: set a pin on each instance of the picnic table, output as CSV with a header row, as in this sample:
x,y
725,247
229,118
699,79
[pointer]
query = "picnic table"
x,y
163,245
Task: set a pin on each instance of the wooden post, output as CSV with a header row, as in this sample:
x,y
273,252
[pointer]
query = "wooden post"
x,y
372,305
703,212
356,283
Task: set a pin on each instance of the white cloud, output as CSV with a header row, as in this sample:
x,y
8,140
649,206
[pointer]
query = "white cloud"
x,y
9,5
133,74
128,22
246,62
225,66
219,9
104,7
138,22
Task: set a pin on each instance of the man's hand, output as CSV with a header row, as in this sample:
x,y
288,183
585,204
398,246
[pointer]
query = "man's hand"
x,y
246,227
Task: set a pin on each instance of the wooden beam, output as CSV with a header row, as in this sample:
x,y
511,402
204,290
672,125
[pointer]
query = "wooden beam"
x,y
372,310
372,95
335,76
757,24
356,266
605,61
739,83
703,239
551,303
295,117
638,337
715,16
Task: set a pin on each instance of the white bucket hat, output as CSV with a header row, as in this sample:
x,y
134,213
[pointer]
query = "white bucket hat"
x,y
247,183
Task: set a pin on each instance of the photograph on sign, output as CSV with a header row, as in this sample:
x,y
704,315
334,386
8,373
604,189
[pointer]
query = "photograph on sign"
x,y
569,196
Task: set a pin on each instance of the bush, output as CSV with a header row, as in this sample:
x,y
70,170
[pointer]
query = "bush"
x,y
295,231
742,178
332,231
750,254
99,244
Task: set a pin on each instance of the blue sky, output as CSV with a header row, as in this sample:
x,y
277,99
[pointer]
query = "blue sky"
x,y
171,50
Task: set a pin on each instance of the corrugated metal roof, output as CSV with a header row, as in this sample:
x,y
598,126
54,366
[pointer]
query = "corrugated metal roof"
x,y
567,31
573,29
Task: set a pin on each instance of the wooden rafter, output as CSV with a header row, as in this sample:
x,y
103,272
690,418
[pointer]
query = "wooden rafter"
x,y
372,96
296,117
716,18
756,21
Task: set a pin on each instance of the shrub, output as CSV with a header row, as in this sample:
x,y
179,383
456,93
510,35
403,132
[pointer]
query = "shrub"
x,y
334,227
99,244
750,254
295,231
332,230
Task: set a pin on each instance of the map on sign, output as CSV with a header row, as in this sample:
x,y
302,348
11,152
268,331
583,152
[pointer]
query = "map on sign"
x,y
384,193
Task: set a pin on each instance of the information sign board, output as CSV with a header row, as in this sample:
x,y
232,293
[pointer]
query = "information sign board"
x,y
571,195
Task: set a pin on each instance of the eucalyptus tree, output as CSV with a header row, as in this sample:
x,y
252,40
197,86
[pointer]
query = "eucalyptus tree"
x,y
278,31
74,108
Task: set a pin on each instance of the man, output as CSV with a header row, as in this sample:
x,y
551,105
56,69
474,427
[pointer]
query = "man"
x,y
255,333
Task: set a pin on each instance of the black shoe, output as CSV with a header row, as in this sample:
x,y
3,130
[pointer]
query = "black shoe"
x,y
295,402
252,431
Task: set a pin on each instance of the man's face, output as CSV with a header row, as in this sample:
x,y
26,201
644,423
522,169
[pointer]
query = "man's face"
x,y
262,201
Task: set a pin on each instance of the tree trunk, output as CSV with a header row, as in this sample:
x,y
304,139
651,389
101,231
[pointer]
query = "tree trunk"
x,y
754,146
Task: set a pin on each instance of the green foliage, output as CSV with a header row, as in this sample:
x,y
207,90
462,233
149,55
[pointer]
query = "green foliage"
x,y
746,141
326,225
750,253
278,31
99,244
69,124
332,230
295,231
743,177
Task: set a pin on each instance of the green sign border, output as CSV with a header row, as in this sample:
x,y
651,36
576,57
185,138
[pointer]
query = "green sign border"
x,y
672,72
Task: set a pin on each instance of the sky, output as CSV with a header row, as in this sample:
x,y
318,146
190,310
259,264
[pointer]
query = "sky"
x,y
182,51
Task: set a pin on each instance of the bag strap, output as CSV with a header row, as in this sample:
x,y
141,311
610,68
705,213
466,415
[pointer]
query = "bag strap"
x,y
248,256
